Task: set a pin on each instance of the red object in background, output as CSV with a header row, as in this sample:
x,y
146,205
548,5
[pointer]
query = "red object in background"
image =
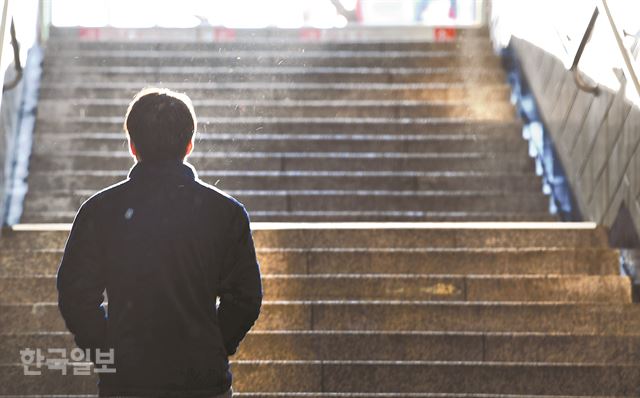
x,y
310,34
359,11
224,34
89,33
444,34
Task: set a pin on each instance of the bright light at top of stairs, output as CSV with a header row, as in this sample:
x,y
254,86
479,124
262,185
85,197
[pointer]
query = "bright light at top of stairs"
x,y
236,13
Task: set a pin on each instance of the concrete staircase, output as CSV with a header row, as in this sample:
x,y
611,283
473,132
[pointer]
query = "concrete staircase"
x,y
356,311
342,131
297,130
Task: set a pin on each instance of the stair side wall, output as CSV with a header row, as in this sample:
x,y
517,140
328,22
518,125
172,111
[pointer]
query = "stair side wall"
x,y
596,137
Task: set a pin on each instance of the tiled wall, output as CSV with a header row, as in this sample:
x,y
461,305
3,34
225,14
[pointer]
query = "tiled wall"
x,y
596,137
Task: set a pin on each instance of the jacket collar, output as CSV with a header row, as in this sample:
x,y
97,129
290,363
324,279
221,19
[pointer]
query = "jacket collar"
x,y
162,169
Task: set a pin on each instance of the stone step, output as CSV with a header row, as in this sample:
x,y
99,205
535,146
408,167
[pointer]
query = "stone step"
x,y
478,45
295,91
543,317
459,235
302,126
313,216
316,236
229,142
405,377
58,216
276,74
612,289
390,395
500,111
280,50
471,288
345,395
45,181
333,200
208,33
264,58
291,161
381,346
364,260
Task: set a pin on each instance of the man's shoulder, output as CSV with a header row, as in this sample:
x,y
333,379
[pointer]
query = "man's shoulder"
x,y
212,196
218,196
104,194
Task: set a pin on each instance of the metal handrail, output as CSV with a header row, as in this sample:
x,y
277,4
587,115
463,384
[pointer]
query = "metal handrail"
x,y
577,77
16,60
628,68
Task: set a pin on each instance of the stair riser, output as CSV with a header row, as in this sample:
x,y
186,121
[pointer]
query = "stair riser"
x,y
460,262
340,216
566,318
273,59
357,126
444,378
282,50
123,161
53,143
469,45
482,238
274,75
295,92
335,346
439,288
412,238
211,34
499,111
43,182
407,378
314,202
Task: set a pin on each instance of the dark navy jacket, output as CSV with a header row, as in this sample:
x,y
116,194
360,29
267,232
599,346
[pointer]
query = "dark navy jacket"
x,y
165,246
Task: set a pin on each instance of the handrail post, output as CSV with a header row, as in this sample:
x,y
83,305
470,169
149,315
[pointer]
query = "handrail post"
x,y
44,21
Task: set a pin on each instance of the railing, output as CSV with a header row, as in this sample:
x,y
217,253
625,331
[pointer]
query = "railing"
x,y
27,26
582,85
17,65
592,126
588,39
628,66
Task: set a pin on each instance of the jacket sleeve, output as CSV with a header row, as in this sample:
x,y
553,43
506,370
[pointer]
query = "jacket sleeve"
x,y
241,287
81,283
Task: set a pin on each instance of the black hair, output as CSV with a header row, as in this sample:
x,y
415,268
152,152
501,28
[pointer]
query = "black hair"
x,y
160,123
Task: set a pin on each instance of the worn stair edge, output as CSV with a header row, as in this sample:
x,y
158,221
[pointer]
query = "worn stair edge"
x,y
472,288
412,345
381,234
31,261
395,315
414,376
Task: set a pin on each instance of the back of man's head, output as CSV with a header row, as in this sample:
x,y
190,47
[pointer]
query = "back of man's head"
x,y
160,124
